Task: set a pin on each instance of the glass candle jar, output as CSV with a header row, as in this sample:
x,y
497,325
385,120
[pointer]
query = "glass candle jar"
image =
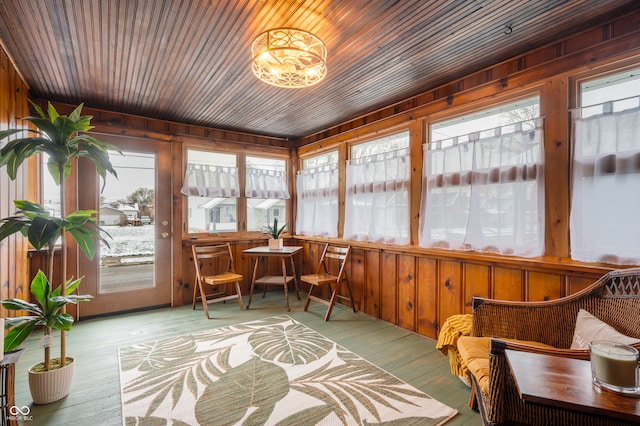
x,y
614,366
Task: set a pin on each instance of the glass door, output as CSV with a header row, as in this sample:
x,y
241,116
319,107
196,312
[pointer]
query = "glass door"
x,y
134,270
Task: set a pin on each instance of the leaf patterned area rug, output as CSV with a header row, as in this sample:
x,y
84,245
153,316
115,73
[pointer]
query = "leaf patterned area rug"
x,y
274,371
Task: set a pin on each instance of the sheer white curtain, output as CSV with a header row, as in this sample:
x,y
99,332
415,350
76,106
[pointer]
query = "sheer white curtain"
x,y
211,181
266,184
605,207
377,198
486,193
317,191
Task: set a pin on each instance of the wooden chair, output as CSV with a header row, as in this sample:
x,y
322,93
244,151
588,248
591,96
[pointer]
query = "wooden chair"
x,y
214,267
322,277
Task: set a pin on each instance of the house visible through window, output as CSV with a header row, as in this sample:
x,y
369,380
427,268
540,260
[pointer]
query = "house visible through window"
x,y
127,207
211,183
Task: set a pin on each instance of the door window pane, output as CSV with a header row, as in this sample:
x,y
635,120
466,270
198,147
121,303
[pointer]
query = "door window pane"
x,y
127,213
50,191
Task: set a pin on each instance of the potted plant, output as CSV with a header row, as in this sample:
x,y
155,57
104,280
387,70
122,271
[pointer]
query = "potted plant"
x,y
275,242
63,138
47,313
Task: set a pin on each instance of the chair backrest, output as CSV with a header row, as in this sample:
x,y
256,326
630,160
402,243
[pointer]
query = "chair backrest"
x,y
340,254
212,260
613,299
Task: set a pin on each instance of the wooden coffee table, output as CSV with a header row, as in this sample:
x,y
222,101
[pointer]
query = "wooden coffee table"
x,y
566,383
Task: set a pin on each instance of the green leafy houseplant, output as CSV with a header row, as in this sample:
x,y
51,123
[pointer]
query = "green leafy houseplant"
x,y
47,312
42,231
63,138
273,231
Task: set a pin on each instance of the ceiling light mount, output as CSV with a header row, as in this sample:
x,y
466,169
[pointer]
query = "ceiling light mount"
x,y
289,57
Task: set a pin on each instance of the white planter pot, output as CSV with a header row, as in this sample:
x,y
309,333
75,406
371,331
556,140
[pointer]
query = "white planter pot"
x,y
50,386
276,244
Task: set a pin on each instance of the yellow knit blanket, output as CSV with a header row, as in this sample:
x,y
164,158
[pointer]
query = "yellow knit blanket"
x,y
454,327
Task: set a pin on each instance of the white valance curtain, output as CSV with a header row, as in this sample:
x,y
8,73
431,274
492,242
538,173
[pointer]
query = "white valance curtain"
x,y
211,181
317,191
263,183
485,193
606,185
377,198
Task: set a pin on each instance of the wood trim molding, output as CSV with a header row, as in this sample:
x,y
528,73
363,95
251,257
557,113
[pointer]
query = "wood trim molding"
x,y
128,125
541,263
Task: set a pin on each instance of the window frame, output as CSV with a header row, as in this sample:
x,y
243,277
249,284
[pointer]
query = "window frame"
x,y
407,183
477,107
241,152
187,225
340,195
575,102
287,172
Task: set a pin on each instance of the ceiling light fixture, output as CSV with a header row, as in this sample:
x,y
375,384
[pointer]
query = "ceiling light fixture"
x,y
288,57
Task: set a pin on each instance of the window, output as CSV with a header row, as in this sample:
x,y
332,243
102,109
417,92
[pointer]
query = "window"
x,y
483,183
266,191
317,189
380,146
211,184
50,191
606,170
125,200
326,159
377,191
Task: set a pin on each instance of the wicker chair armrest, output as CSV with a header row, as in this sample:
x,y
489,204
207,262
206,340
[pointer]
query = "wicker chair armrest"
x,y
498,347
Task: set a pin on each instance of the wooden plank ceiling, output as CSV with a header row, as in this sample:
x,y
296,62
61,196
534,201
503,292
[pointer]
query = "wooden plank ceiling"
x,y
189,61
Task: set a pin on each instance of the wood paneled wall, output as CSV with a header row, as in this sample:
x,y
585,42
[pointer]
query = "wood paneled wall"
x,y
127,125
418,290
13,250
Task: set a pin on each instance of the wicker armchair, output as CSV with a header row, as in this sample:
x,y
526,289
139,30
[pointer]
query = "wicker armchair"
x,y
614,299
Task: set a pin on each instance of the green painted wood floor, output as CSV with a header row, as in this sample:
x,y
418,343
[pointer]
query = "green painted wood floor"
x,y
95,396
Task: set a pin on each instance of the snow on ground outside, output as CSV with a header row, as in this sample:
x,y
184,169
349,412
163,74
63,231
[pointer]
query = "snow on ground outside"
x,y
128,241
